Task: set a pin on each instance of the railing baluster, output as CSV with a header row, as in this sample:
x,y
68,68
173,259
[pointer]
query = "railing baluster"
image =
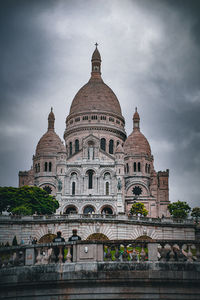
x,y
189,255
142,254
69,257
38,257
60,256
125,254
171,254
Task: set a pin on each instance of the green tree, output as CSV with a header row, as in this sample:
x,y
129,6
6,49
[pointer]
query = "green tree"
x,y
138,208
27,200
196,213
179,209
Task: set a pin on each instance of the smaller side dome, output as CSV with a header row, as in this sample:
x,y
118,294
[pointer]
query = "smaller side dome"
x,y
136,143
50,142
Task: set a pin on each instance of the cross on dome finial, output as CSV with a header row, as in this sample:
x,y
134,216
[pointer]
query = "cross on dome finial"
x,y
136,109
96,45
51,109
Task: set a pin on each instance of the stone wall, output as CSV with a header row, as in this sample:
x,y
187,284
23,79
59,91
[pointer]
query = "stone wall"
x,y
102,280
114,227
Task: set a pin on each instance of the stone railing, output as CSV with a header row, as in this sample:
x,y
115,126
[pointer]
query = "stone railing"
x,y
99,251
120,217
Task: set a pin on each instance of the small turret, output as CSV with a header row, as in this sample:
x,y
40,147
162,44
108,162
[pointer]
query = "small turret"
x,y
96,63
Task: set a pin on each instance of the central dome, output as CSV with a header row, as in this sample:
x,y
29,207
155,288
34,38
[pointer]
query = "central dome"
x,y
95,96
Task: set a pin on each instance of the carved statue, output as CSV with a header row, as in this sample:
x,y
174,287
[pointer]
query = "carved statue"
x,y
59,185
119,184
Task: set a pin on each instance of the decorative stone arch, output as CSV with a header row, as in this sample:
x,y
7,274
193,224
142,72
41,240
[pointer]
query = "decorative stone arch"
x,y
50,185
97,236
138,183
75,209
90,168
141,231
107,170
108,206
75,170
47,183
87,203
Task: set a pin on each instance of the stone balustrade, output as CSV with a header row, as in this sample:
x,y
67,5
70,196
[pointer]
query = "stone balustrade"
x,y
137,251
120,217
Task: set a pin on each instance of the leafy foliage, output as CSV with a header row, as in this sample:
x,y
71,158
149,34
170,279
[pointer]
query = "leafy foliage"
x,y
196,213
179,209
138,208
27,200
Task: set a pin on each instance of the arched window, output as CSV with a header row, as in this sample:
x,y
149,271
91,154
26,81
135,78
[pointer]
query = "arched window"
x,y
107,188
71,210
107,210
73,187
50,166
139,169
90,179
70,148
149,169
103,144
76,146
127,168
38,168
146,170
117,143
134,166
88,210
45,166
111,143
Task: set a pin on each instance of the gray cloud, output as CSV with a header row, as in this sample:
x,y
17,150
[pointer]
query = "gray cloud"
x,y
151,59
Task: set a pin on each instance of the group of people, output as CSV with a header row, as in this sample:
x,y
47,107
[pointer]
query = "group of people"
x,y
60,239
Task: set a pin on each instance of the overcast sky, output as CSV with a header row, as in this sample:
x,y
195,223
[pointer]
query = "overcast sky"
x,y
150,53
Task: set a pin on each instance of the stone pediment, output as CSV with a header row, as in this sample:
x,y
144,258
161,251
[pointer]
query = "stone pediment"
x,y
91,140
76,157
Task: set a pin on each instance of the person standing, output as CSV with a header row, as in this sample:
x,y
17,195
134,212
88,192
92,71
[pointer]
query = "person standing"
x,y
73,238
58,239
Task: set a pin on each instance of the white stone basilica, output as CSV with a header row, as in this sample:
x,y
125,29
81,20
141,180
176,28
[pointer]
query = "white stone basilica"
x,y
99,170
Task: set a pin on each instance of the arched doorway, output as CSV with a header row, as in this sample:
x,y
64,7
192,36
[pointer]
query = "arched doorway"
x,y
47,238
70,210
89,209
97,237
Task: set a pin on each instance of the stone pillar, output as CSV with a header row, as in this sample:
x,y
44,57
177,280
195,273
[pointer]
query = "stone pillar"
x,y
29,256
153,252
89,252
120,206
